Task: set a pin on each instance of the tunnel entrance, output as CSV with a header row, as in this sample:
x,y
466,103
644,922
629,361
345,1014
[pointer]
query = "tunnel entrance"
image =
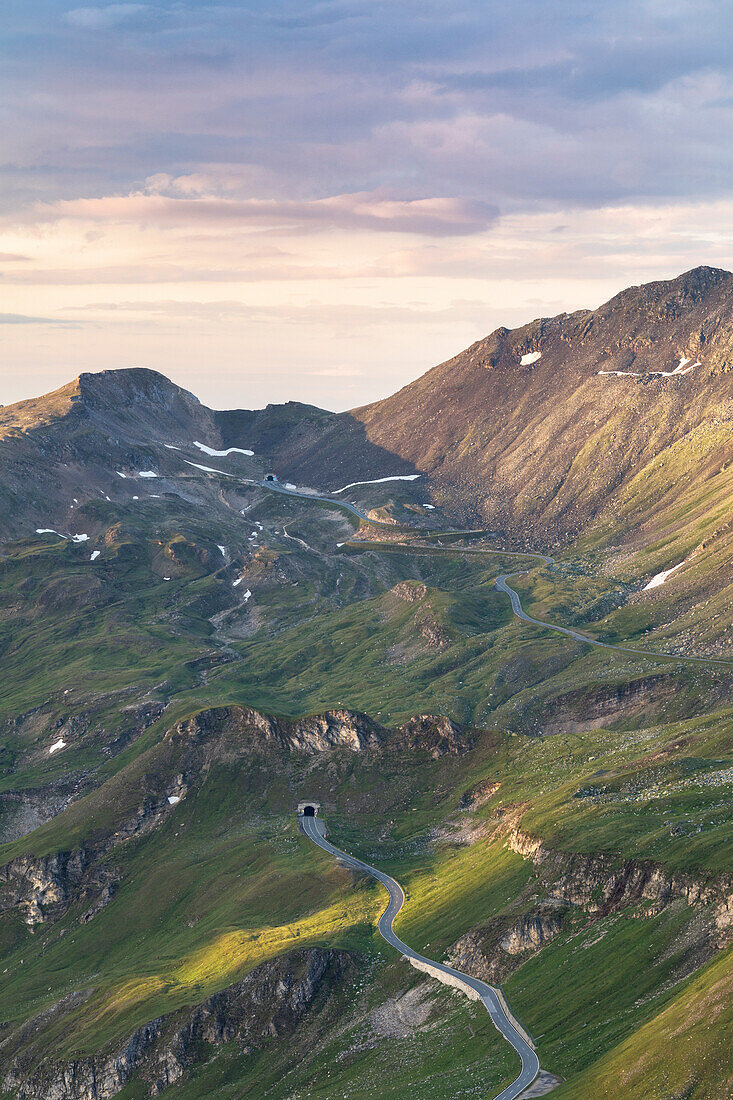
x,y
309,811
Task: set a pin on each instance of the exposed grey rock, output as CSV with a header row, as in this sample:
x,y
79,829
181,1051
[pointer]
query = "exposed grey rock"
x,y
265,1006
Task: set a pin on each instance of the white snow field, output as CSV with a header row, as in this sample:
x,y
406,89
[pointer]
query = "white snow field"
x,y
147,473
680,369
221,454
50,531
376,481
531,357
60,744
660,578
95,555
207,469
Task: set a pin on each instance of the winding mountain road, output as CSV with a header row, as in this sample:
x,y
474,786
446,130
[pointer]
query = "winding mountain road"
x,y
501,581
314,829
501,584
278,487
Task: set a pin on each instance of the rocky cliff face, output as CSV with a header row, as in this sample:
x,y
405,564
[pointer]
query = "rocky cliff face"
x,y
312,734
598,884
42,887
493,951
601,883
265,1006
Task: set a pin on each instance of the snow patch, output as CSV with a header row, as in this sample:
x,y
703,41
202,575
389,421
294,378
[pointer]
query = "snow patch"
x,y
223,550
679,370
431,507
221,454
166,578
49,531
60,744
147,473
660,578
170,447
136,498
95,555
377,481
289,485
530,357
207,469
123,476
173,798
80,538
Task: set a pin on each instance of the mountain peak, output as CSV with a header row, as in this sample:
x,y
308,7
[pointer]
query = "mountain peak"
x,y
687,290
131,384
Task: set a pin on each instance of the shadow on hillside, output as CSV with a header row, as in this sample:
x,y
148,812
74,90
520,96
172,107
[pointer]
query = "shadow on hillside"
x,y
310,445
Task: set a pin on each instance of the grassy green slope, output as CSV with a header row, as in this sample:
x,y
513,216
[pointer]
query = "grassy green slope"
x,y
225,882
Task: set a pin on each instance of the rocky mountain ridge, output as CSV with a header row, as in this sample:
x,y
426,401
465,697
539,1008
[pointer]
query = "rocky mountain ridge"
x,y
536,432
265,1006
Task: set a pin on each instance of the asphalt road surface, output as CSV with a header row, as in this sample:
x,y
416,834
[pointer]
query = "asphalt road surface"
x,y
501,584
314,828
278,487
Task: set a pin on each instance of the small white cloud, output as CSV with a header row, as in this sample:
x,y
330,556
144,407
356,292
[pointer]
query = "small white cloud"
x,y
96,19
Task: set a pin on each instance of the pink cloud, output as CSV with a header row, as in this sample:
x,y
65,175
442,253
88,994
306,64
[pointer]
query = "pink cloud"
x,y
433,217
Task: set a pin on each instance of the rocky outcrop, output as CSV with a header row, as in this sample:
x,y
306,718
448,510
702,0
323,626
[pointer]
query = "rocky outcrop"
x,y
43,887
436,735
23,811
434,633
601,883
532,931
409,591
249,729
492,951
265,1006
479,794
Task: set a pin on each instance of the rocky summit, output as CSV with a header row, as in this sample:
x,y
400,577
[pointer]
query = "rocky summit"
x,y
480,630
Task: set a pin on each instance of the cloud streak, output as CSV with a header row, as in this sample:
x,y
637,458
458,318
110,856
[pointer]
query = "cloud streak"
x,y
430,217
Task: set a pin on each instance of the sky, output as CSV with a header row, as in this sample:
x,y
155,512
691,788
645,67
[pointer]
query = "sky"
x,y
319,201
